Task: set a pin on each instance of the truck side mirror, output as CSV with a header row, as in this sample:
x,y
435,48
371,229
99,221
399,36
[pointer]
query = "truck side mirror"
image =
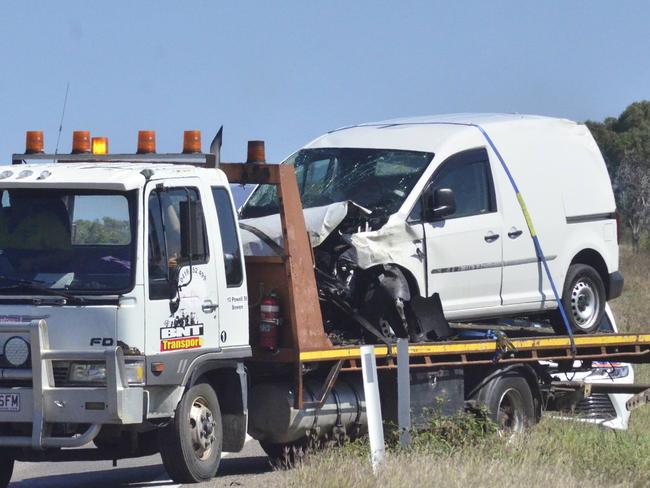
x,y
439,203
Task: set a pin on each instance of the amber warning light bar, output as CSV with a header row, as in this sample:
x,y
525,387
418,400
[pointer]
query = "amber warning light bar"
x,y
90,149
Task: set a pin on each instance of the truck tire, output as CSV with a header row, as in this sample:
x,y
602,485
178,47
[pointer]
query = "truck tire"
x,y
509,402
584,300
190,446
6,468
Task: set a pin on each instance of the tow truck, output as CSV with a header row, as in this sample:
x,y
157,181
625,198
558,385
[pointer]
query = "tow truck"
x,y
130,318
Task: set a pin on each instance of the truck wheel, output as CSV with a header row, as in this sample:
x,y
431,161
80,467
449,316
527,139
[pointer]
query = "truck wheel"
x,y
509,402
584,300
190,446
6,468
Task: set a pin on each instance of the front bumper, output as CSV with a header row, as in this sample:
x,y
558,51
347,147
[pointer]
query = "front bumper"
x,y
607,409
44,404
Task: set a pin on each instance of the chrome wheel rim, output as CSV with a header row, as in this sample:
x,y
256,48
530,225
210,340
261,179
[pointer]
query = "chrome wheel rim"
x,y
585,304
202,426
510,416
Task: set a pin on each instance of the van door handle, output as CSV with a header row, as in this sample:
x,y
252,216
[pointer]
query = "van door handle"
x,y
491,237
209,306
514,233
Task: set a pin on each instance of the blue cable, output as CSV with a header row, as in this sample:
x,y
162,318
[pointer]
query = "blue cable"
x,y
533,235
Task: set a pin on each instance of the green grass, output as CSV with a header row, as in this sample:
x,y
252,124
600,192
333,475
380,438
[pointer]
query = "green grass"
x,y
462,452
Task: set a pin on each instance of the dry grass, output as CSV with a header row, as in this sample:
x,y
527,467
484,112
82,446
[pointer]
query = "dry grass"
x,y
553,453
632,308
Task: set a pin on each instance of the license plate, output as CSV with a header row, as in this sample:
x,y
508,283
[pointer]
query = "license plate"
x,y
9,402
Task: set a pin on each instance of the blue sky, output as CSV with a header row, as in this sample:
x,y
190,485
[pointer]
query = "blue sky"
x,y
289,71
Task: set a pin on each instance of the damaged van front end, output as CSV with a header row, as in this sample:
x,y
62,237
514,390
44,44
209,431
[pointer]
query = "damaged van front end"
x,y
369,266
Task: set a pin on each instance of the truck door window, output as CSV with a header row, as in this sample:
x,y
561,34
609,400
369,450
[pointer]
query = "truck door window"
x,y
229,237
171,216
468,175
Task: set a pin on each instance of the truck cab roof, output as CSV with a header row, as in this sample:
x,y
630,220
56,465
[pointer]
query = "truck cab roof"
x,y
123,176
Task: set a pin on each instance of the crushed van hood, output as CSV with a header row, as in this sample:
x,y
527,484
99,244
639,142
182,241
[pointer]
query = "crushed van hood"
x,y
320,222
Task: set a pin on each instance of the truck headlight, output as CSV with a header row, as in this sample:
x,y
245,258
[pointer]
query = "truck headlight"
x,y
134,369
87,373
95,372
16,351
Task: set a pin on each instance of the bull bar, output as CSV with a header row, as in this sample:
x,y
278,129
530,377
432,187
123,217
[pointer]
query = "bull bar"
x,y
50,404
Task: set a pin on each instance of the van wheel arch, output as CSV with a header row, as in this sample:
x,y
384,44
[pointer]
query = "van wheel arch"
x,y
593,258
423,315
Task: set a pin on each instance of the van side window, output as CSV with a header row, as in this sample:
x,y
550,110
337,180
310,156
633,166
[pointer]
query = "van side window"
x,y
468,175
172,213
229,237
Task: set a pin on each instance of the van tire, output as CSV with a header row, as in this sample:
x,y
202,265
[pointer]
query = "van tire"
x,y
6,468
509,402
584,300
187,457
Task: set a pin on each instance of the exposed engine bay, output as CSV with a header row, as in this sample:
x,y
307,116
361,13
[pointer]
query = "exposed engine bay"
x,y
370,305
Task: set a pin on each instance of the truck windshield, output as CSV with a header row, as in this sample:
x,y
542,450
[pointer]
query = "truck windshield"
x,y
377,179
75,241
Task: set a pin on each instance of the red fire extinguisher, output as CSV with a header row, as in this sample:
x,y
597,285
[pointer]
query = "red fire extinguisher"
x,y
269,321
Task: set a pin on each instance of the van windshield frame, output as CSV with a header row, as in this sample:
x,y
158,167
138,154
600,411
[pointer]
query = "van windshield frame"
x,y
376,179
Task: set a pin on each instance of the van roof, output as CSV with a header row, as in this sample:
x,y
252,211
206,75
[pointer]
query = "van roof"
x,y
430,132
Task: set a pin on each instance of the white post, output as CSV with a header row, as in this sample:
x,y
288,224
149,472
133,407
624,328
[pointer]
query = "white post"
x,y
373,406
403,392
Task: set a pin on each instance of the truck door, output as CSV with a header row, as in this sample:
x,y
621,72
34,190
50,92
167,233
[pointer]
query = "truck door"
x,y
464,253
233,311
181,284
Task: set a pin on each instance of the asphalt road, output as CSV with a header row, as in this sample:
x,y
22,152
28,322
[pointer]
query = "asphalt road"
x,y
248,468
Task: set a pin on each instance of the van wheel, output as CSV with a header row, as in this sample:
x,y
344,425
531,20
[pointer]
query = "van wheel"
x,y
509,402
583,299
6,468
190,446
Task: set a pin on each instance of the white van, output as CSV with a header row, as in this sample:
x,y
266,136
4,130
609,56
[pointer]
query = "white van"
x,y
420,212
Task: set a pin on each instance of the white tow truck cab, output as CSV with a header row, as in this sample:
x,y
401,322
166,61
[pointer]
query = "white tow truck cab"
x,y
121,284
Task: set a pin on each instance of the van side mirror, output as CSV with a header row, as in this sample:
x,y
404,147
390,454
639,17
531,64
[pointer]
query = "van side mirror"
x,y
439,204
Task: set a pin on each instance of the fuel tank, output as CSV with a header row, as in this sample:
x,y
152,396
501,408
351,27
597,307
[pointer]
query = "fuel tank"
x,y
273,418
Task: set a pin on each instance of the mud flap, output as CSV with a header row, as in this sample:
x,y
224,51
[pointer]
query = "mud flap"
x,y
383,302
431,321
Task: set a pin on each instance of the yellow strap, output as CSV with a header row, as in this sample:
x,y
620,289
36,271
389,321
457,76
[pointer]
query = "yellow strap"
x,y
524,209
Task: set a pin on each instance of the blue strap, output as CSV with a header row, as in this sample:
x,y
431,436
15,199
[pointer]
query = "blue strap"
x,y
533,235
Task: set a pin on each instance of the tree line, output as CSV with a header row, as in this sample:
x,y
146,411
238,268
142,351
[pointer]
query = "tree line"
x,y
625,144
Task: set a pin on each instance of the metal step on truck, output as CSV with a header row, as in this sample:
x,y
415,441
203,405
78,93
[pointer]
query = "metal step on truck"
x,y
131,319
